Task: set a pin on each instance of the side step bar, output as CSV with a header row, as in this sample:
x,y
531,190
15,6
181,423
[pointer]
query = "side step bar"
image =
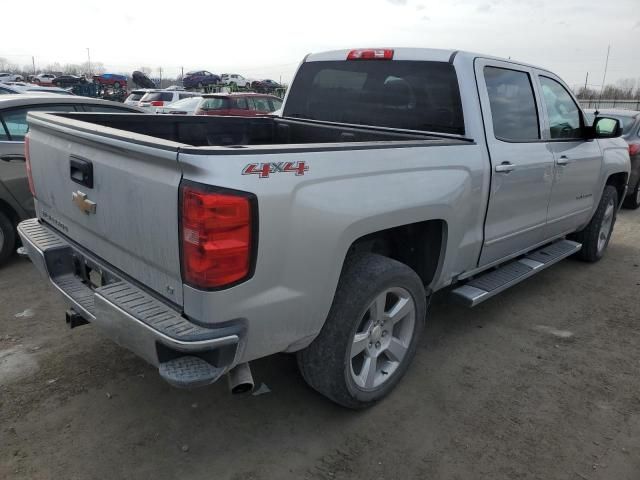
x,y
495,281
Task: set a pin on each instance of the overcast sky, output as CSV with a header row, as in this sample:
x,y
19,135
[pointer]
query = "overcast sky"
x,y
261,38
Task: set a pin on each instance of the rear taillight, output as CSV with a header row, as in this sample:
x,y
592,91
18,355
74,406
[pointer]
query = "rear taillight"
x,y
634,148
371,54
27,160
157,103
218,233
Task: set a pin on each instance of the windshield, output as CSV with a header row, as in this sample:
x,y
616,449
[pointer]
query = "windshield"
x,y
157,96
397,94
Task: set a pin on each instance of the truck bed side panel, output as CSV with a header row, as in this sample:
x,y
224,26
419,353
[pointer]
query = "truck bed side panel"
x,y
307,224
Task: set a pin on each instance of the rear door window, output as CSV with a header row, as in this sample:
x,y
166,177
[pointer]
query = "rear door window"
x,y
215,103
15,120
239,103
397,94
513,106
262,104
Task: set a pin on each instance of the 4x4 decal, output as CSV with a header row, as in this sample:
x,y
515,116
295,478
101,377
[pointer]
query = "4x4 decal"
x,y
265,169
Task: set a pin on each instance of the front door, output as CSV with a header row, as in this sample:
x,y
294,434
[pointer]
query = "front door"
x,y
577,161
521,162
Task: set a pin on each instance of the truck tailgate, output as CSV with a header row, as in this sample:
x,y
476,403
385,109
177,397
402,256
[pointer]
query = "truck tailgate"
x,y
134,186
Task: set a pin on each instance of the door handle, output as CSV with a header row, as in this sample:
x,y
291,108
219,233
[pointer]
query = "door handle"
x,y
11,157
563,160
505,167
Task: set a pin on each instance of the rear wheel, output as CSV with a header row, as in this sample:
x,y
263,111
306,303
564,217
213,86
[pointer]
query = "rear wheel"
x,y
632,200
370,335
595,236
7,238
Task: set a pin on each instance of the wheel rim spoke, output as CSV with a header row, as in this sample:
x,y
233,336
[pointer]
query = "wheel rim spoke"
x,y
377,307
368,373
360,342
396,350
401,309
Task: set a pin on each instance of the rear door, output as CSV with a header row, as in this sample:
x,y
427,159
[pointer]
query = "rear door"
x,y
132,180
521,162
578,162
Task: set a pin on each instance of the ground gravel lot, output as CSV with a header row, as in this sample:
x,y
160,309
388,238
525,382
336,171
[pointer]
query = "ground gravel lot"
x,y
540,382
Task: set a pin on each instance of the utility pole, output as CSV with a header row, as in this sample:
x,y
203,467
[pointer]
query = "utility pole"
x,y
160,68
585,83
89,61
33,61
606,65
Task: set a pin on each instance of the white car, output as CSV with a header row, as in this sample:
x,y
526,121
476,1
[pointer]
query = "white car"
x,y
44,78
235,79
186,106
134,97
160,98
10,77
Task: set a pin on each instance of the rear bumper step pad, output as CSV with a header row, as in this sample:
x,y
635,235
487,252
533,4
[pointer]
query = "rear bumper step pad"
x,y
187,354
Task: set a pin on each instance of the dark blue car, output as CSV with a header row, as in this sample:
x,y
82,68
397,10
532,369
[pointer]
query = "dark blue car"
x,y
199,79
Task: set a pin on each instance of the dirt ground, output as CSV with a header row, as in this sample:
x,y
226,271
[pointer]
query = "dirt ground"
x,y
540,382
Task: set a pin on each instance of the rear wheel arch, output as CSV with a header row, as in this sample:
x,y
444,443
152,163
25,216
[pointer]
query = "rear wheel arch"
x,y
421,246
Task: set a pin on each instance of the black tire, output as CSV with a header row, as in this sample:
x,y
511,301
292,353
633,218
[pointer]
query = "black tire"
x,y
326,364
7,238
592,249
632,200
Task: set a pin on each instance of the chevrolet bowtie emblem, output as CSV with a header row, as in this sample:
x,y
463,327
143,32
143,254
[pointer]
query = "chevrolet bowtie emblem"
x,y
81,201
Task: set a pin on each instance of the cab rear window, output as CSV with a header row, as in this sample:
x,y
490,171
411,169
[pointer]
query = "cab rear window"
x,y
402,94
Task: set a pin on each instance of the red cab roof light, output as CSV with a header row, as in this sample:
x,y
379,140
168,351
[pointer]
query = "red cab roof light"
x,y
371,54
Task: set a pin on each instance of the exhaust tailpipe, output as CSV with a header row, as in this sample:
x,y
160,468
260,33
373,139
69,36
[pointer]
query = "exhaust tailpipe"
x,y
240,379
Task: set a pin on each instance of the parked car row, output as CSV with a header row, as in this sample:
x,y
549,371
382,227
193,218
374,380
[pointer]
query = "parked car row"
x,y
203,78
182,102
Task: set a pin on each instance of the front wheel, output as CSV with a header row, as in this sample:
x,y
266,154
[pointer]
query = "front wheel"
x,y
370,335
633,199
595,236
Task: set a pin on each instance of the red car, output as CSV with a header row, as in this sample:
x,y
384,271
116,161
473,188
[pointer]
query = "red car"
x,y
238,104
111,79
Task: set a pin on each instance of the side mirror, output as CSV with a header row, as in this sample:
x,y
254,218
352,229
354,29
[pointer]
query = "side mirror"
x,y
605,127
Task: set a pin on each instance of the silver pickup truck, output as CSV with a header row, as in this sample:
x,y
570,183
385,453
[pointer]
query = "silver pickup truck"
x,y
202,243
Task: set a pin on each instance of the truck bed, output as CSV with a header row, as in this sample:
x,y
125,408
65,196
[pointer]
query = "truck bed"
x,y
203,131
